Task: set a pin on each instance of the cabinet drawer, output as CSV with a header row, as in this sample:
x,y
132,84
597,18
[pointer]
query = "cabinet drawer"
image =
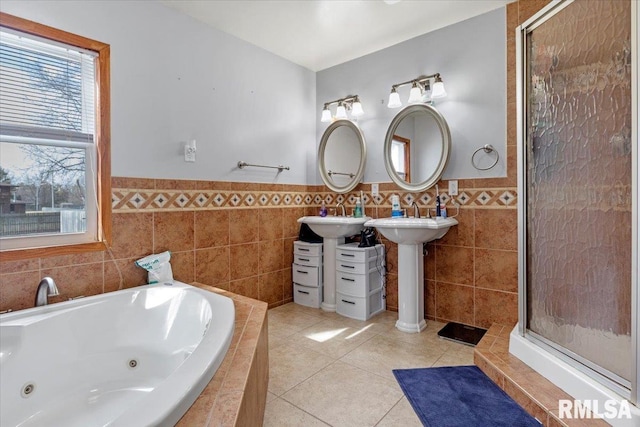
x,y
349,255
360,308
359,267
307,276
304,295
352,253
311,261
304,248
359,285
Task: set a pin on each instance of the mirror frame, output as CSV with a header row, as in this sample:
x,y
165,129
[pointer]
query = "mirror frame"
x,y
321,151
446,142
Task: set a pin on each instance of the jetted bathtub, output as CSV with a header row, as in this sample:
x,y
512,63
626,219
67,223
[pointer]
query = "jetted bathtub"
x,y
136,357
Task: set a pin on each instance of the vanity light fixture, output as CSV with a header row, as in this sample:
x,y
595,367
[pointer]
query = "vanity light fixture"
x,y
394,99
348,103
420,90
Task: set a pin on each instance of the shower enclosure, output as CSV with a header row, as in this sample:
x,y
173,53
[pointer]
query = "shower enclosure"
x,y
578,196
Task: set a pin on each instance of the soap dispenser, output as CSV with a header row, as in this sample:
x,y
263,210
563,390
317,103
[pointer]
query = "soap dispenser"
x,y
323,210
357,213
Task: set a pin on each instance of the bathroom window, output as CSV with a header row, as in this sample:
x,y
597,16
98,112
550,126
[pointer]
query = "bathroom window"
x,y
54,141
400,157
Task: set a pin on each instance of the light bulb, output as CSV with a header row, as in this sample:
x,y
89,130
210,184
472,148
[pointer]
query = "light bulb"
x,y
438,89
356,109
415,95
326,115
341,112
394,99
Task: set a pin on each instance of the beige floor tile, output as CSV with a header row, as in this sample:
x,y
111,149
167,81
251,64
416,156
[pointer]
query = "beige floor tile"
x,y
402,414
381,354
290,365
270,397
343,395
286,324
427,340
455,357
332,338
294,308
280,413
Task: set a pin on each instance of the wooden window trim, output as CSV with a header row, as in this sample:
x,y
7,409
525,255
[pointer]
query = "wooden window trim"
x,y
103,136
407,155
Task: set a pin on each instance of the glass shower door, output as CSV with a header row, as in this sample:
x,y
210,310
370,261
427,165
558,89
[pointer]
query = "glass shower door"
x,y
578,185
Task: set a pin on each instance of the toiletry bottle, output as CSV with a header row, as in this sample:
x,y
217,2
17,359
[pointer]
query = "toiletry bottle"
x,y
323,209
357,213
395,206
443,210
438,208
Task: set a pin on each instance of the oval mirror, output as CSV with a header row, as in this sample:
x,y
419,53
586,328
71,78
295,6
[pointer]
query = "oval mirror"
x,y
341,156
417,147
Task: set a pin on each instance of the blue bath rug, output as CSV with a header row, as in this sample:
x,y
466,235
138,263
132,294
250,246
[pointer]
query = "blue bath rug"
x,y
460,396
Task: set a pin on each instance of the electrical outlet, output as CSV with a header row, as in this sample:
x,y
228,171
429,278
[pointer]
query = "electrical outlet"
x,y
190,151
374,189
453,187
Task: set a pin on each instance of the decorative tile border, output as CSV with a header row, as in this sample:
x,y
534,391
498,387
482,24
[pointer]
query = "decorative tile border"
x,y
147,200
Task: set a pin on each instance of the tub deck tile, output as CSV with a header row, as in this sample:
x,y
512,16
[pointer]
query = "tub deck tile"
x,y
236,395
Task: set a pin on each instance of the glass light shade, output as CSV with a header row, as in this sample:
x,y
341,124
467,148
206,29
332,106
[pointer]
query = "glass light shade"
x,y
415,95
438,90
341,112
326,115
394,100
356,109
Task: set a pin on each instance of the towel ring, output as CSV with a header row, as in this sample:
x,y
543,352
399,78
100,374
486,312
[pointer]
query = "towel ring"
x,y
488,148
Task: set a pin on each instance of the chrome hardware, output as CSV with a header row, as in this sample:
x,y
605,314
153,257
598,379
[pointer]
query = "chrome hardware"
x,y
46,288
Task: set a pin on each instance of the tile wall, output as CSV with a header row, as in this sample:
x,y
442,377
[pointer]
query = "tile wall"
x,y
239,237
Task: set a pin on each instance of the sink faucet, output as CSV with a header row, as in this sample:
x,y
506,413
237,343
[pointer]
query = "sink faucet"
x,y
416,209
340,205
47,288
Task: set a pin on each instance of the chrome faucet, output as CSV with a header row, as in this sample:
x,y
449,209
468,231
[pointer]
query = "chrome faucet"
x,y
340,205
47,288
416,209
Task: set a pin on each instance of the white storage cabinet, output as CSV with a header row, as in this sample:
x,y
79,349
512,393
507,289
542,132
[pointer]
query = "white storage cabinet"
x,y
360,275
307,273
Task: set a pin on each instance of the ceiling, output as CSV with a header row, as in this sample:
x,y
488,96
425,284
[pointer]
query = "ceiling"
x,y
319,34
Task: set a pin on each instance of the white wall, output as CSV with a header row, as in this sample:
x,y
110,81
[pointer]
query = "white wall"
x,y
471,57
174,79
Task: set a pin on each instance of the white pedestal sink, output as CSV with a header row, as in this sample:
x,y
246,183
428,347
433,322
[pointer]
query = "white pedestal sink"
x,y
410,234
333,229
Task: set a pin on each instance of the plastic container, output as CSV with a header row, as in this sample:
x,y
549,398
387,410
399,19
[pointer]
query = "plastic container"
x,y
357,213
323,210
396,211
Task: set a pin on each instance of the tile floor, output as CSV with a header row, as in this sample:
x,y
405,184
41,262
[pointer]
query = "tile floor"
x,y
329,370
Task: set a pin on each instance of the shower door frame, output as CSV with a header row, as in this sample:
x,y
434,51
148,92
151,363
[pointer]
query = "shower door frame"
x,y
626,389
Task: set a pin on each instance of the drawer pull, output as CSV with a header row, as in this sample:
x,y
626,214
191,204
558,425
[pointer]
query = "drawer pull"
x,y
347,266
348,255
303,292
349,302
303,250
348,280
303,272
304,259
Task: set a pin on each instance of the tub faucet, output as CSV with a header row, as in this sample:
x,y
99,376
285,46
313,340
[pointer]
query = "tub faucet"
x,y
340,205
47,288
416,209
